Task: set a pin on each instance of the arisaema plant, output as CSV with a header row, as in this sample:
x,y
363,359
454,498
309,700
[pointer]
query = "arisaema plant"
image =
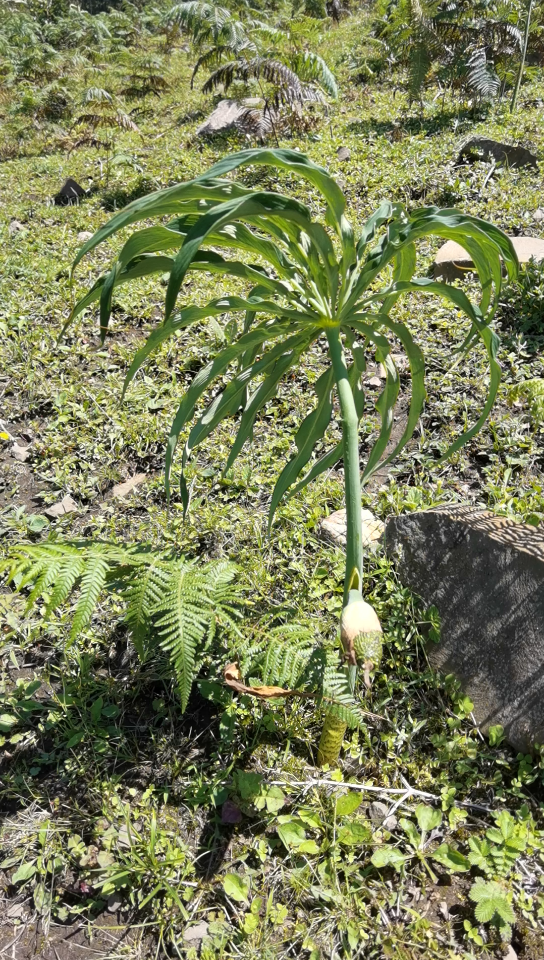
x,y
309,278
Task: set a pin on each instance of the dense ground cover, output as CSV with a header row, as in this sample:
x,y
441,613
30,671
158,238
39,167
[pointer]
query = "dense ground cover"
x,y
118,811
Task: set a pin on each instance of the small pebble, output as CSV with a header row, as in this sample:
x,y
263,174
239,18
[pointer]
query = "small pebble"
x,y
198,932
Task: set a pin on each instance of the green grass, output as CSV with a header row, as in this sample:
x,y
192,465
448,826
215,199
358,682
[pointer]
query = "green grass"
x,y
104,783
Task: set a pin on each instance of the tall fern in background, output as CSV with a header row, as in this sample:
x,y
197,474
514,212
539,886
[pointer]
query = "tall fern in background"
x,y
461,45
286,74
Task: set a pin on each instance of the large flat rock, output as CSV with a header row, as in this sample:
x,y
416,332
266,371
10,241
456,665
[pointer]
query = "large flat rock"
x,y
225,116
485,574
334,529
484,148
452,260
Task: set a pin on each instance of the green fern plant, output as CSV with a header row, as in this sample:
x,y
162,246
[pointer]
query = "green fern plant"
x,y
308,284
287,656
532,391
171,604
287,75
453,42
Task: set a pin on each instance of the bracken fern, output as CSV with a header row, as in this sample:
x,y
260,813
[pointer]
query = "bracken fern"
x,y
171,603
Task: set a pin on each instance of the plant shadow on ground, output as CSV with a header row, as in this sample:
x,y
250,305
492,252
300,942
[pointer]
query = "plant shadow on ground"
x,y
414,125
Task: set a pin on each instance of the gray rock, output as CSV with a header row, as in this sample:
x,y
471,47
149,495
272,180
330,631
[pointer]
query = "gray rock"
x,y
20,453
16,911
444,910
225,116
333,528
452,260
198,932
83,236
485,574
66,505
510,953
16,227
538,215
478,148
375,383
343,154
114,903
123,489
390,823
377,811
70,192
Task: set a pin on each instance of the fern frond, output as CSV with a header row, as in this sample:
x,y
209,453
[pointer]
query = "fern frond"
x,y
170,602
338,698
181,621
481,76
93,581
311,67
96,95
256,122
143,594
289,88
533,392
287,654
70,572
419,66
207,23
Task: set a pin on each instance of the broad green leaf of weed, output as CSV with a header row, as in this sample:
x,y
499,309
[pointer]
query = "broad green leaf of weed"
x,y
236,887
348,804
25,872
388,857
7,721
451,858
428,818
42,899
354,834
291,834
248,784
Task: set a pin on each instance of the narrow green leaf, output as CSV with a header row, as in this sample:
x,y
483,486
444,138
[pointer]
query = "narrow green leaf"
x,y
310,431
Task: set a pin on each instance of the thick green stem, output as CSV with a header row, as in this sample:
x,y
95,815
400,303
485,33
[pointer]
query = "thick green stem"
x,y
523,57
352,476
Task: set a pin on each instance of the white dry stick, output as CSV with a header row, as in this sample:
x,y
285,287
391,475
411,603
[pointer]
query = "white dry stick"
x,y
403,793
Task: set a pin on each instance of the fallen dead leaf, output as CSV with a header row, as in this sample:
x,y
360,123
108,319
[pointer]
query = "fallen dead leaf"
x,y
231,676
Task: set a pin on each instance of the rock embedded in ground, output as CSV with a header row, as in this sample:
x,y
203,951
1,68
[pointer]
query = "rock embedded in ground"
x,y
510,953
333,528
343,154
114,903
123,489
538,215
478,148
197,932
20,453
16,227
225,116
485,574
453,261
70,192
84,235
66,505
